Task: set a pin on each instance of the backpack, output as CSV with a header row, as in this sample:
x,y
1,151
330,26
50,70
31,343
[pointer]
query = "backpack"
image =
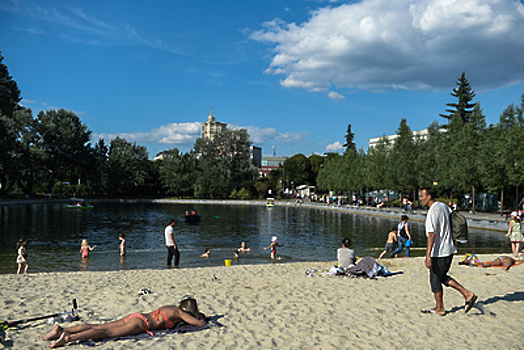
x,y
402,229
459,227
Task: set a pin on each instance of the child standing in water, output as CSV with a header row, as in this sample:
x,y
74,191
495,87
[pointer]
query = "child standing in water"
x,y
390,242
85,248
21,259
273,246
122,239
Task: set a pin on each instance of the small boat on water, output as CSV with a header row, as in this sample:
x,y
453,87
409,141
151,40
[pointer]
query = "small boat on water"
x,y
270,202
79,204
192,217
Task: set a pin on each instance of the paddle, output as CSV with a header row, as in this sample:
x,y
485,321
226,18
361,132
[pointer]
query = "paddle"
x,y
6,324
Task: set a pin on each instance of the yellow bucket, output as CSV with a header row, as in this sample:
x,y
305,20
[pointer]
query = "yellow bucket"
x,y
228,262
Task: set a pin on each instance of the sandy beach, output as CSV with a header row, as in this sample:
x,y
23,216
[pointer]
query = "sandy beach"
x,y
275,306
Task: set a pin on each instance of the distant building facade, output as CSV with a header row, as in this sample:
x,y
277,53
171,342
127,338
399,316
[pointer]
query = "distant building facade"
x,y
212,128
269,164
420,134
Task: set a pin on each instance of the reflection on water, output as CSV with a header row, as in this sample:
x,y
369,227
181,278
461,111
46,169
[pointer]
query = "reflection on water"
x,y
54,234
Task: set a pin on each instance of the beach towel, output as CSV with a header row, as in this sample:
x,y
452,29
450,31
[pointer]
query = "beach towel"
x,y
181,327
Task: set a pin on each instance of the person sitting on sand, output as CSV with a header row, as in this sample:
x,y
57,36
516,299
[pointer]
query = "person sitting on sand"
x,y
243,248
163,318
345,256
390,242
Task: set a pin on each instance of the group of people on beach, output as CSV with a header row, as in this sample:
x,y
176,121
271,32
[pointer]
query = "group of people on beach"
x,y
173,252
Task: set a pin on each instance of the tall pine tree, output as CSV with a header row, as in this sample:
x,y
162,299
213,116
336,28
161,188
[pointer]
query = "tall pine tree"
x,y
463,107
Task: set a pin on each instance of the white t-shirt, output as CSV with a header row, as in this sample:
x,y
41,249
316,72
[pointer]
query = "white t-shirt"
x,y
437,221
169,233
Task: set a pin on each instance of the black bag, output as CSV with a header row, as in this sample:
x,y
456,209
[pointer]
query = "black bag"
x,y
403,231
459,227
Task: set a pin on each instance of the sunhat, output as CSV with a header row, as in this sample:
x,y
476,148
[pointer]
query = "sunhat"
x,y
514,213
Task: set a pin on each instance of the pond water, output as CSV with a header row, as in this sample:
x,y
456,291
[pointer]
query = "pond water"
x,y
54,234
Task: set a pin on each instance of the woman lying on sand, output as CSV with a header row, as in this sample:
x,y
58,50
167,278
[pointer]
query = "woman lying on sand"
x,y
505,261
163,318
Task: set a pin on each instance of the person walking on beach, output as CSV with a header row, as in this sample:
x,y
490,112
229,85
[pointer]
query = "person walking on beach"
x,y
390,242
514,233
439,253
21,258
85,248
404,236
273,246
164,317
172,249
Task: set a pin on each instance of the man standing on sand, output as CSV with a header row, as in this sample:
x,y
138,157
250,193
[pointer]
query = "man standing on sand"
x,y
439,252
172,249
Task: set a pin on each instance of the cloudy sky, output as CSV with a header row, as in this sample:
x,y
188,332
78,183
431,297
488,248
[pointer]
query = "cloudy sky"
x,y
293,73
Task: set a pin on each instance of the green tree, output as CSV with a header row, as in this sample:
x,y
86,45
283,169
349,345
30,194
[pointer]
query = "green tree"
x,y
377,165
177,172
429,157
9,92
315,164
64,141
350,144
128,167
403,159
296,170
463,107
99,174
224,165
11,128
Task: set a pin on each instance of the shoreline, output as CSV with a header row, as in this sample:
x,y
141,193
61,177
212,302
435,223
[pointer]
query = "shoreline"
x,y
277,306
483,221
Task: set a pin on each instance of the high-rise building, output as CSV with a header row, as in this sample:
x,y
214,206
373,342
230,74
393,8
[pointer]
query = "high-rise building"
x,y
212,128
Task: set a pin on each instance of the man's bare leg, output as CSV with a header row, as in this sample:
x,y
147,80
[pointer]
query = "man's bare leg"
x,y
439,303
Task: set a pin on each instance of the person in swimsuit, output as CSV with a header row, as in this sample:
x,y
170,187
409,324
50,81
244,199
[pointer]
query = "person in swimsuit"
x,y
390,242
85,248
21,258
243,248
273,246
123,248
164,317
505,261
515,234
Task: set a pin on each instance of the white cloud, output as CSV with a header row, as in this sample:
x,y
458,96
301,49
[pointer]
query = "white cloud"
x,y
170,134
259,135
334,147
336,96
401,44
186,134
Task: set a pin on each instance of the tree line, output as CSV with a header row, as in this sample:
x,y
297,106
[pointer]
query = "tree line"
x,y
54,153
462,155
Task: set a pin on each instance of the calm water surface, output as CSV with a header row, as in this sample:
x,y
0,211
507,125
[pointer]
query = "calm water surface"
x,y
54,234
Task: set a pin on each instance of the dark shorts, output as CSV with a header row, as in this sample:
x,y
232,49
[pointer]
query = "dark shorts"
x,y
438,273
389,246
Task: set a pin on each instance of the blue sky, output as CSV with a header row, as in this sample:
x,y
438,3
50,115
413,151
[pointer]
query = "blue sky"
x,y
293,73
